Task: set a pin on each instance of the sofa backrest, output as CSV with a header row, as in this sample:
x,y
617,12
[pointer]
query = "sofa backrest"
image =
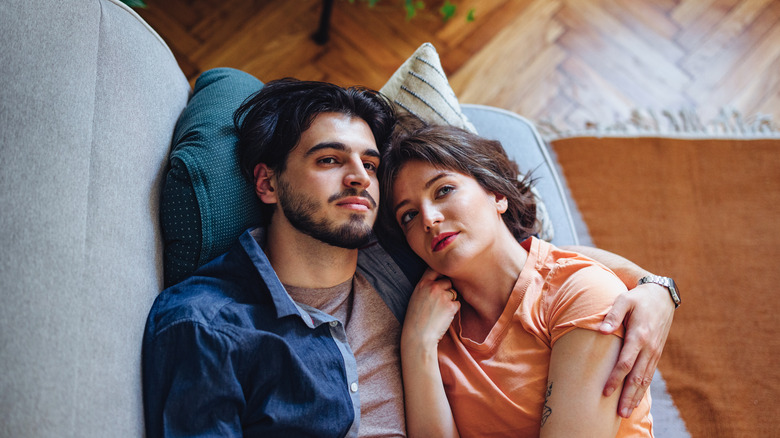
x,y
89,96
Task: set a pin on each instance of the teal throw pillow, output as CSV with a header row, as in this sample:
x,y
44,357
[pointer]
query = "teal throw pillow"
x,y
206,202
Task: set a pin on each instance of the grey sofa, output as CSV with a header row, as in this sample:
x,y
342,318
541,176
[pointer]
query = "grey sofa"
x,y
89,99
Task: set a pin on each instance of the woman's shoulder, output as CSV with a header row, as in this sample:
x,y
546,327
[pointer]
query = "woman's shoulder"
x,y
571,273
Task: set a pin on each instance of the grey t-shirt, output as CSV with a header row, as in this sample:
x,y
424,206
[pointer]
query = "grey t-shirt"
x,y
374,334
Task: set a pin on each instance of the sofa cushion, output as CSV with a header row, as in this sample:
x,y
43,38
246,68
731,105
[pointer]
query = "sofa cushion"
x,y
420,87
206,201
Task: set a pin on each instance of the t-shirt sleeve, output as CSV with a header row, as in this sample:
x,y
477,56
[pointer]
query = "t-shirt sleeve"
x,y
581,293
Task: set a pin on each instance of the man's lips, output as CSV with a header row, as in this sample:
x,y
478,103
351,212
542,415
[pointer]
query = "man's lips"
x,y
443,240
356,203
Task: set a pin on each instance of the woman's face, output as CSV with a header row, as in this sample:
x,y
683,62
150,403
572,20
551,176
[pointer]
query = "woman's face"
x,y
447,217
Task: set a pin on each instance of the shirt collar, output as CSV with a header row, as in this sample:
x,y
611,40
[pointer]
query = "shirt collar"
x,y
252,241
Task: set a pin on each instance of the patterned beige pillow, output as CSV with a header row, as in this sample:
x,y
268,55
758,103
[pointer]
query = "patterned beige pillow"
x,y
421,88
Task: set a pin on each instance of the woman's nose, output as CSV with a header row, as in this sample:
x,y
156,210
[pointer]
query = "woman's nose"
x,y
431,216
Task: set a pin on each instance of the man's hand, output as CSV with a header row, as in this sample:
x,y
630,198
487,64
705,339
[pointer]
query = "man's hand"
x,y
647,312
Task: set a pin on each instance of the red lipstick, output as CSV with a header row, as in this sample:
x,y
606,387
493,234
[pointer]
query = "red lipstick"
x,y
443,240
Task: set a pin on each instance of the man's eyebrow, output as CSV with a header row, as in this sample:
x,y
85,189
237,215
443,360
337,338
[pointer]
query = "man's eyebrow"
x,y
427,185
326,145
339,147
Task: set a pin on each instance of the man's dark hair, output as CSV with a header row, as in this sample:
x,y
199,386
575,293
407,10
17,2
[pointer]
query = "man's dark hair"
x,y
269,123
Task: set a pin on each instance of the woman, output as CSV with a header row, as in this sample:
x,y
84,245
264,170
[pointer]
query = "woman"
x,y
500,337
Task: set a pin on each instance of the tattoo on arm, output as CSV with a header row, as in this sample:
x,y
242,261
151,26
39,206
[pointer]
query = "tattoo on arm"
x,y
547,409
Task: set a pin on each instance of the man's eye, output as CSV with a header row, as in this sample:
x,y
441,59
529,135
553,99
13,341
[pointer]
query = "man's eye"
x,y
371,167
328,160
407,217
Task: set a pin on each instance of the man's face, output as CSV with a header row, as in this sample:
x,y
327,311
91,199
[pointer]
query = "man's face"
x,y
329,187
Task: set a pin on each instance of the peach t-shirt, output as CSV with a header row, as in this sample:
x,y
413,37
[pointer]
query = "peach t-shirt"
x,y
497,387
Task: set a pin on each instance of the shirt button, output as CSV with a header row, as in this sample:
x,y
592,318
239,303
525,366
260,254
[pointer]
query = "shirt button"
x,y
353,387
334,323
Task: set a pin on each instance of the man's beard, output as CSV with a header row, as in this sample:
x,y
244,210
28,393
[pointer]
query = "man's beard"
x,y
300,210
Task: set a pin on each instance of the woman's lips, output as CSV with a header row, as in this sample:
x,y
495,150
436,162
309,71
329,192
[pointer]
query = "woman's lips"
x,y
443,240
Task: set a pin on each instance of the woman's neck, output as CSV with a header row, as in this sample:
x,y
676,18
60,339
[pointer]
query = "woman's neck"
x,y
485,288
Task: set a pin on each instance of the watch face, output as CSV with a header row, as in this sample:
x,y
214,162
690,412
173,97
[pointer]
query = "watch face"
x,y
674,292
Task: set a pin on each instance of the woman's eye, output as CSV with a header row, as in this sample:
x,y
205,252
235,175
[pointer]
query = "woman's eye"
x,y
444,191
407,217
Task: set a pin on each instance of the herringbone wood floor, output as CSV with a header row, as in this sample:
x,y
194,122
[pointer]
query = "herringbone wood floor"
x,y
569,62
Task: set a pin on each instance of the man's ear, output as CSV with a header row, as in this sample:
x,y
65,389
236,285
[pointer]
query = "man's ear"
x,y
265,184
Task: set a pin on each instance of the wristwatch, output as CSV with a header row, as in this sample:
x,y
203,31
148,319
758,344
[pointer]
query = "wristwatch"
x,y
665,282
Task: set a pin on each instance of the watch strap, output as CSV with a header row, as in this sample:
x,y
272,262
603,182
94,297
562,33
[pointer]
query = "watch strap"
x,y
666,282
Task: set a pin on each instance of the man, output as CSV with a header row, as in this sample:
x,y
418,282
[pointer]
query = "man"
x,y
294,331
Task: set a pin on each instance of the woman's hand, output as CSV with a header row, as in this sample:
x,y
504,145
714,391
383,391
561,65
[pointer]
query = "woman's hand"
x,y
431,309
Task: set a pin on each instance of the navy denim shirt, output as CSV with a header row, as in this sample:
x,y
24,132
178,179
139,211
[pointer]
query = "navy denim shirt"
x,y
227,352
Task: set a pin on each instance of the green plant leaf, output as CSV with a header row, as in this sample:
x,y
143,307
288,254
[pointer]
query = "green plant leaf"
x,y
411,7
447,10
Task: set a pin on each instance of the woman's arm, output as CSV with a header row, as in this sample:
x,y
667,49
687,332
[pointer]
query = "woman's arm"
x,y
574,405
647,312
430,312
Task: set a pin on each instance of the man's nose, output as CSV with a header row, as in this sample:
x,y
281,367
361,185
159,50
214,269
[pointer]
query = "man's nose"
x,y
357,175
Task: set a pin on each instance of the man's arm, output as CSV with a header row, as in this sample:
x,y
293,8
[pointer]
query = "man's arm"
x,y
190,387
647,312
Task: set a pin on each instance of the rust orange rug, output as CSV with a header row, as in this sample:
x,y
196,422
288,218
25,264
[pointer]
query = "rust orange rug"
x,y
706,212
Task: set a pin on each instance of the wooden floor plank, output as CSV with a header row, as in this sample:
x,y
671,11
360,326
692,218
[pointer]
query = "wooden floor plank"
x,y
721,42
511,50
706,23
744,78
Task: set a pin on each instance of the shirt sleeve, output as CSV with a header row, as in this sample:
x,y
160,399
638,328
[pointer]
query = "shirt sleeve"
x,y
190,383
580,297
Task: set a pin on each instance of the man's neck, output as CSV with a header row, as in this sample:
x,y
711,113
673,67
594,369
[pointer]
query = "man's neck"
x,y
303,261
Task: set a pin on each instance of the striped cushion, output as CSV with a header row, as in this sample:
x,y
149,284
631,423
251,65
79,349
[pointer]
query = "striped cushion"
x,y
421,88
